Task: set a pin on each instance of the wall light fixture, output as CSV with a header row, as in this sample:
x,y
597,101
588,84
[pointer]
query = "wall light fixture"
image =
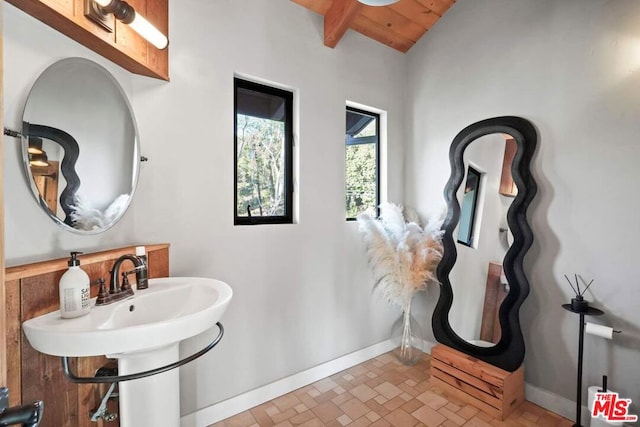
x,y
35,146
38,160
101,11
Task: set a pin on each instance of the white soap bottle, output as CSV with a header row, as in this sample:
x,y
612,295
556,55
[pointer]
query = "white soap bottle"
x,y
74,290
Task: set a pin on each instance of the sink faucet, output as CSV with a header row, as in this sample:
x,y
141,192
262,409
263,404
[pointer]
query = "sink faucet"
x,y
140,270
120,291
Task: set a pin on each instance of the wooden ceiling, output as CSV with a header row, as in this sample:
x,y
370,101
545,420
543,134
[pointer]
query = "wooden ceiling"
x,y
399,25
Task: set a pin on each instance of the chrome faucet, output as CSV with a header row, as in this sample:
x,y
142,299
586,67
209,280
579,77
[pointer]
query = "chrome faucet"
x,y
119,291
25,415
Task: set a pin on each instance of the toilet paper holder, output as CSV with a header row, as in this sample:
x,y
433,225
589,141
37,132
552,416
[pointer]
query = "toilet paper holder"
x,y
581,307
600,330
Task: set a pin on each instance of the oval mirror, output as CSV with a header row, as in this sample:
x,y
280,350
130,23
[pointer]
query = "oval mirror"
x,y
80,146
482,281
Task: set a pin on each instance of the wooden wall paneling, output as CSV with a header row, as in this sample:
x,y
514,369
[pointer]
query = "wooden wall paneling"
x,y
42,377
13,348
90,395
101,270
38,296
32,291
60,264
158,262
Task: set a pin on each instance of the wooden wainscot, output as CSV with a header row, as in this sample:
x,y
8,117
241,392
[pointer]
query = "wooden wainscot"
x,y
496,391
32,290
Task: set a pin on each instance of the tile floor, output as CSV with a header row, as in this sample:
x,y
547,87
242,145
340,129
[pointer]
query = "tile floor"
x,y
381,392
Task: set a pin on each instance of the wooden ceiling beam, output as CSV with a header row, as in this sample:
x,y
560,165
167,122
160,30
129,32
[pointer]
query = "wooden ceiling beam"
x,y
394,22
338,19
399,25
415,11
381,33
437,6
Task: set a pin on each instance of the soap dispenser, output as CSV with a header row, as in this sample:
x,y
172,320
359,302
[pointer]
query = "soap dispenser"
x,y
74,290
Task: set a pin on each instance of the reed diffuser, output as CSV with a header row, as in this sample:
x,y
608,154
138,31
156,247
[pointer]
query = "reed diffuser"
x,y
578,303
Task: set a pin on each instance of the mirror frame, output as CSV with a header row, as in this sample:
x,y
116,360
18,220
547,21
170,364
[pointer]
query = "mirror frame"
x,y
508,353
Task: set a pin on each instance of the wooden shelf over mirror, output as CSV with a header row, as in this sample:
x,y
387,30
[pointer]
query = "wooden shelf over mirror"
x,y
123,46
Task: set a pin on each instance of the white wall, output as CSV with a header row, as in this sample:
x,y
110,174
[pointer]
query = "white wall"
x,y
302,293
572,67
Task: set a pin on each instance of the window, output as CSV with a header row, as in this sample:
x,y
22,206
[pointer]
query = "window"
x,y
263,154
362,162
469,208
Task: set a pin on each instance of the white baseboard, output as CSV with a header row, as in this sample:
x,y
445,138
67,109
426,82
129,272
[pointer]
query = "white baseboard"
x,y
554,402
230,407
428,345
227,408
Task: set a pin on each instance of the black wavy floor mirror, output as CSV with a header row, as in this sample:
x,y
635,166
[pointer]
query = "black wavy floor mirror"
x,y
472,236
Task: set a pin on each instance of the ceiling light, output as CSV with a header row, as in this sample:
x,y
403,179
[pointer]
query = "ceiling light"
x,y
124,12
378,2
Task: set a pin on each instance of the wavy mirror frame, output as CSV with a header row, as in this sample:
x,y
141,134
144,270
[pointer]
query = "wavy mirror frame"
x,y
508,353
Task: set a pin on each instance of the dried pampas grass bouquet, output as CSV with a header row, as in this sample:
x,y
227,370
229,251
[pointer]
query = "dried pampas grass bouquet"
x,y
402,254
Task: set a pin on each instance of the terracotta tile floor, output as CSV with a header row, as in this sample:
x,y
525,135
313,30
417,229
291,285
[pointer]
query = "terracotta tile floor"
x,y
381,392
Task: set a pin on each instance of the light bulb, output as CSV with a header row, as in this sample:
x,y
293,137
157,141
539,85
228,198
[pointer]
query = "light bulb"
x,y
143,27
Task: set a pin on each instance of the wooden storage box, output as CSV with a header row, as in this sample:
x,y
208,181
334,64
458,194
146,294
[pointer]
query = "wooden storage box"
x,y
494,390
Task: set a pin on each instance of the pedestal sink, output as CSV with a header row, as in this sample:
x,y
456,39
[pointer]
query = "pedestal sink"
x,y
143,333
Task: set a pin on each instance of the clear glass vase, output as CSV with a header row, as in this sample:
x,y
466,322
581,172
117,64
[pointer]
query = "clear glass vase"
x,y
407,335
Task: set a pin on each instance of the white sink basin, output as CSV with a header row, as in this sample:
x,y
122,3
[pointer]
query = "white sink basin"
x,y
170,310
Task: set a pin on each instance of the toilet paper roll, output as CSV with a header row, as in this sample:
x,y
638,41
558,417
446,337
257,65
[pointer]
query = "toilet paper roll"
x,y
598,422
599,330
